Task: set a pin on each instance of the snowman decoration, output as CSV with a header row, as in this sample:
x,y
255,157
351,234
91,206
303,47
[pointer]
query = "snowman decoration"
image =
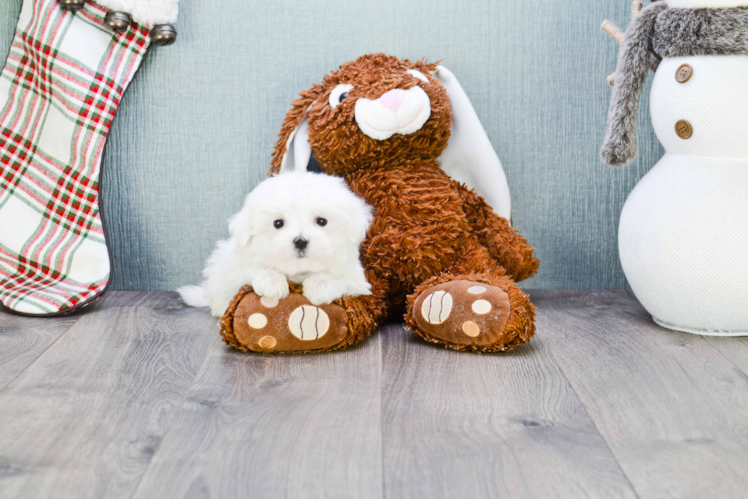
x,y
683,235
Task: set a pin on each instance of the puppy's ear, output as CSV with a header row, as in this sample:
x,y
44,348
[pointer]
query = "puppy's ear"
x,y
357,218
292,150
242,225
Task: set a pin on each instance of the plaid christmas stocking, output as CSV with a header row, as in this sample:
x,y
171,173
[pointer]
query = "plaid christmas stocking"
x,y
63,81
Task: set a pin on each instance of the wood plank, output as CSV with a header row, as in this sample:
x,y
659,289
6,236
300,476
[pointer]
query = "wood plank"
x,y
733,348
276,426
158,299
671,408
497,425
86,418
23,340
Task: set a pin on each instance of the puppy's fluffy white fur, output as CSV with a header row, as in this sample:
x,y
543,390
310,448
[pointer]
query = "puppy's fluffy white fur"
x,y
316,208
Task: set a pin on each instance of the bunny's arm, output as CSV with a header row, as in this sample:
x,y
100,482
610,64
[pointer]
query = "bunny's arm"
x,y
496,234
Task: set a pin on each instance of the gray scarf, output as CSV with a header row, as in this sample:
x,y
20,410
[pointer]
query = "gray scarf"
x,y
667,33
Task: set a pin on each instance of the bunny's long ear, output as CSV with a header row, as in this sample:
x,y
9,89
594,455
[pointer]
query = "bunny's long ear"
x,y
631,73
292,151
469,157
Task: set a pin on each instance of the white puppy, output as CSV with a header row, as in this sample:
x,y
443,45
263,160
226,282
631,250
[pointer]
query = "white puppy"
x,y
300,226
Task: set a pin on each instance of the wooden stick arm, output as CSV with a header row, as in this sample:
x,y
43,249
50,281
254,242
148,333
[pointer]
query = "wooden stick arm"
x,y
613,31
636,8
616,34
654,62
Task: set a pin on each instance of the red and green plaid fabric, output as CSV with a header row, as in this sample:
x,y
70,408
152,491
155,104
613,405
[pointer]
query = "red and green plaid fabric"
x,y
60,88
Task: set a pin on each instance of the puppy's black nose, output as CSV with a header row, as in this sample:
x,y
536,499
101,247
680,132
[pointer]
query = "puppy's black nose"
x,y
300,243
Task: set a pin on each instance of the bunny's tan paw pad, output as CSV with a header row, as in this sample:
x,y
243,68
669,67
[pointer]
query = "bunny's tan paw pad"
x,y
291,324
463,314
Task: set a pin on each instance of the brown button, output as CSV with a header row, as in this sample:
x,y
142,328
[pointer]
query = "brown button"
x,y
683,129
684,73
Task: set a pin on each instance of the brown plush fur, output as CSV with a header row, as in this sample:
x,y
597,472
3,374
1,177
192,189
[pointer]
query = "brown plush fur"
x,y
477,265
227,320
360,313
427,229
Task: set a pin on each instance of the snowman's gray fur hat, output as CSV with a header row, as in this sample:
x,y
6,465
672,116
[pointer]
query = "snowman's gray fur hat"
x,y
667,32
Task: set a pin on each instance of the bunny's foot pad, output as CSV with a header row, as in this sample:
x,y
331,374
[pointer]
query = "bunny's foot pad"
x,y
291,324
469,315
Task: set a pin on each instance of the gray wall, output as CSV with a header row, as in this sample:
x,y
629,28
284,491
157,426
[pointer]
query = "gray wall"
x,y
195,131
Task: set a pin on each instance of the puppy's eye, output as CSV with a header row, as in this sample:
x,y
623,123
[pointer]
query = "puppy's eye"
x,y
418,74
321,222
277,224
339,94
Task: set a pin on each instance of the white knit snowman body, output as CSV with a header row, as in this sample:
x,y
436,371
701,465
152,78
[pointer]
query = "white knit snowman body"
x,y
683,234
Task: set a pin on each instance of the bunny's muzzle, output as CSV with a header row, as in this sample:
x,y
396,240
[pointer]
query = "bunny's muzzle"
x,y
398,111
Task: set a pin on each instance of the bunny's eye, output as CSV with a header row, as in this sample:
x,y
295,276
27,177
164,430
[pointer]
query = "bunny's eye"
x,y
418,74
339,94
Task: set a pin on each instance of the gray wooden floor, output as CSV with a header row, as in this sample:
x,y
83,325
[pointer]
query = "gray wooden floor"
x,y
137,397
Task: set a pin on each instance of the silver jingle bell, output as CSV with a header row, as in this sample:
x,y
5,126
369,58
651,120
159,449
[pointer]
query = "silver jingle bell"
x,y
117,21
163,35
72,5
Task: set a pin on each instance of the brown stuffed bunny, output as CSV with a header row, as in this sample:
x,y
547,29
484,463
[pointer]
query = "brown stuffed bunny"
x,y
436,250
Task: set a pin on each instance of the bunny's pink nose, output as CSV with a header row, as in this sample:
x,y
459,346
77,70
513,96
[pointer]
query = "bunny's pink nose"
x,y
393,99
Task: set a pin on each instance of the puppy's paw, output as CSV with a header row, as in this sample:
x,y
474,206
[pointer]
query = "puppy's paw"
x,y
359,288
271,285
323,291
